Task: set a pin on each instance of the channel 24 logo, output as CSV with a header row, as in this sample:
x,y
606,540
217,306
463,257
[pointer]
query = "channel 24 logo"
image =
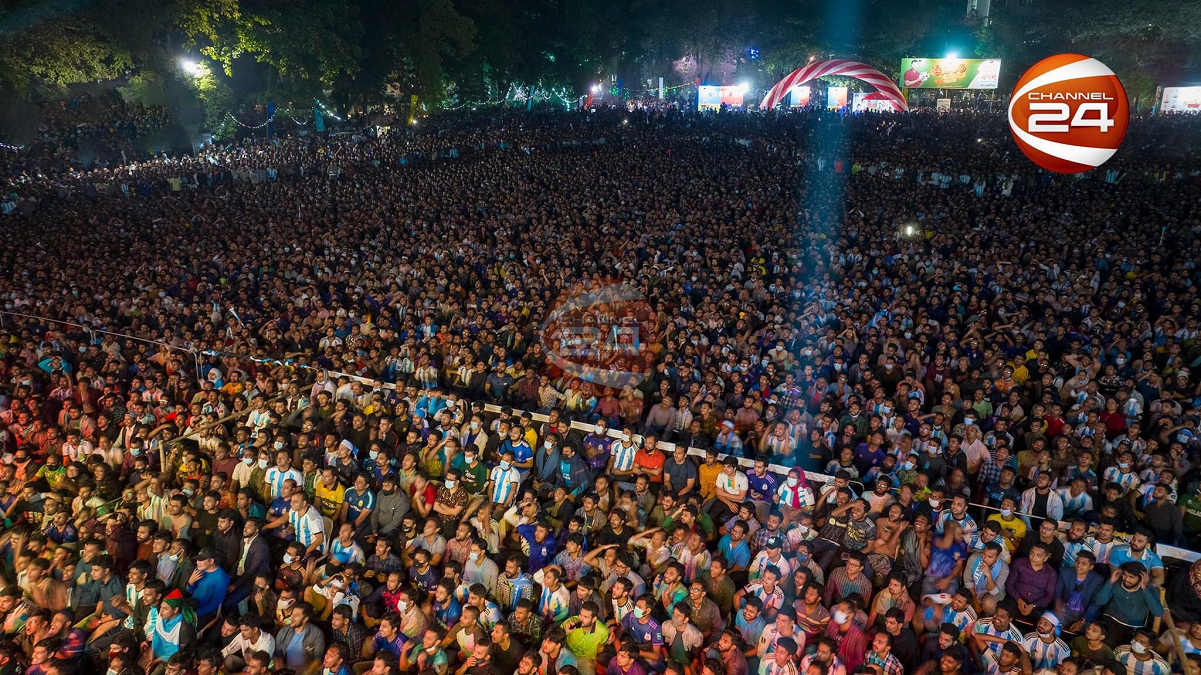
x,y
1069,113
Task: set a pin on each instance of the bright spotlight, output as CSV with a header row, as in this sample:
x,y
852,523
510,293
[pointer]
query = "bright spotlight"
x,y
191,67
744,88
952,56
812,59
909,230
596,88
626,121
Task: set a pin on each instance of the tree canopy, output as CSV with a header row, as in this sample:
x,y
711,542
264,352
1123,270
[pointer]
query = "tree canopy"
x,y
370,51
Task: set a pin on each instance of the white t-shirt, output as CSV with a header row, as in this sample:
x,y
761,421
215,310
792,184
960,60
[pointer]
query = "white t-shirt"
x,y
734,485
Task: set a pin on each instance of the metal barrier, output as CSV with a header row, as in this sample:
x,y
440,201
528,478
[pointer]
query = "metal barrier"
x,y
92,331
1163,550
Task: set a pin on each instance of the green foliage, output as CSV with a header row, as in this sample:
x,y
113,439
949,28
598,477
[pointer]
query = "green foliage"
x,y
454,52
217,102
56,43
317,41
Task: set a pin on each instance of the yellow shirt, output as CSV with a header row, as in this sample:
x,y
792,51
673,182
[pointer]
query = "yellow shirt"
x,y
707,477
328,500
1013,530
1020,374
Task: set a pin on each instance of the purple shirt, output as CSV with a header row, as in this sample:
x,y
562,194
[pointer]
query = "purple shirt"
x,y
634,669
1035,587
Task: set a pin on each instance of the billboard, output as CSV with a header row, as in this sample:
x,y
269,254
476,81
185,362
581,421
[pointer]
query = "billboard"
x,y
711,97
861,102
798,97
836,98
1181,99
950,73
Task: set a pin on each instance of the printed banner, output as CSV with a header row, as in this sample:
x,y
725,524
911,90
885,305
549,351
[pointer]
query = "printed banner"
x,y
798,97
711,97
950,73
836,98
1181,99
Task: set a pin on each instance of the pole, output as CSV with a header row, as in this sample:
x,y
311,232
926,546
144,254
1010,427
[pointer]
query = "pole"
x,y
1185,665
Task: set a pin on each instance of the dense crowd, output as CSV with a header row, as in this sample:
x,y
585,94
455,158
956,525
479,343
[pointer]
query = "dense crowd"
x,y
311,405
80,133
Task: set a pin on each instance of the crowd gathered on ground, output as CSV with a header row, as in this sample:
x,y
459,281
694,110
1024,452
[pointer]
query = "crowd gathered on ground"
x,y
610,391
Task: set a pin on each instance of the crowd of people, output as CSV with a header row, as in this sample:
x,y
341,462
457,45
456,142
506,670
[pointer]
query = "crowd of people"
x,y
79,133
856,394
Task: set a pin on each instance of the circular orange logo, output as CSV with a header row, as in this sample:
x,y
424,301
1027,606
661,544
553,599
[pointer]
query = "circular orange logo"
x,y
1069,113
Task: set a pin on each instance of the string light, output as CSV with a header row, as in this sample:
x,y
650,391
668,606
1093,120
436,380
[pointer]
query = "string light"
x,y
326,111
14,148
247,126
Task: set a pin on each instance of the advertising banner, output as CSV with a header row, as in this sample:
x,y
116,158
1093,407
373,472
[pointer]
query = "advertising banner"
x,y
798,97
950,73
711,97
836,98
861,101
1181,99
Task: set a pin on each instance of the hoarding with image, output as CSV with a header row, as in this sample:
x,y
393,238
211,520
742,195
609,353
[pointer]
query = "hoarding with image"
x,y
862,102
713,97
1181,99
836,98
798,97
950,73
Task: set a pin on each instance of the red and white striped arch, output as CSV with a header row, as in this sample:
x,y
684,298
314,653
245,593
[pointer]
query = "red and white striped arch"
x,y
860,71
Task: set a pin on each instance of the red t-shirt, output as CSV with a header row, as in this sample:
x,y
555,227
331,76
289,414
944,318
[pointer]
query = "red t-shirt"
x,y
644,461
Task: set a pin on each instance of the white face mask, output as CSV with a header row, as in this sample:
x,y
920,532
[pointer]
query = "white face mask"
x,y
402,605
1006,513
279,445
1136,647
793,481
548,445
288,558
840,617
470,459
450,484
262,464
504,465
935,502
249,461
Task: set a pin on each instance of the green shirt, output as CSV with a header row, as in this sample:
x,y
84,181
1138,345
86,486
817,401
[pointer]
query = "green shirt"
x,y
474,478
436,661
703,521
586,643
1192,512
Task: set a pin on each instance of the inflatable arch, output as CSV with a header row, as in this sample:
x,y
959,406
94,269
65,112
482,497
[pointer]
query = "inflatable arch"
x,y
887,88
